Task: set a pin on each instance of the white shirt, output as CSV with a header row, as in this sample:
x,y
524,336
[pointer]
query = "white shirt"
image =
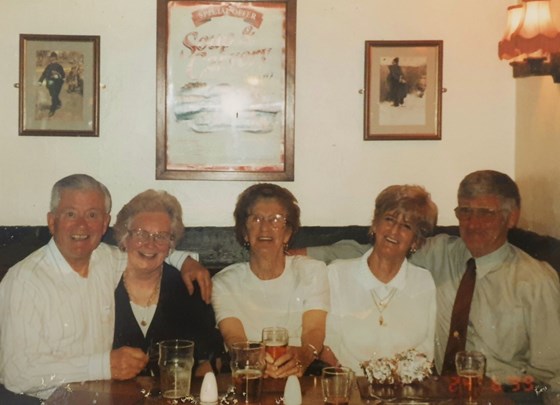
x,y
354,332
55,326
238,293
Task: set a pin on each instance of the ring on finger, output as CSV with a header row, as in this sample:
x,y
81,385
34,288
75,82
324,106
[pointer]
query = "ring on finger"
x,y
298,364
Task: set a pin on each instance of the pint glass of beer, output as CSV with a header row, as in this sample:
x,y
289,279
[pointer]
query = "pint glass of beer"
x,y
470,368
247,368
275,340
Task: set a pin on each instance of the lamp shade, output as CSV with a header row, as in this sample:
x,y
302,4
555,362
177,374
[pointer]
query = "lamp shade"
x,y
506,49
536,35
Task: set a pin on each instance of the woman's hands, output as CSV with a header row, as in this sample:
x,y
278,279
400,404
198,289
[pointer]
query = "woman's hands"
x,y
286,365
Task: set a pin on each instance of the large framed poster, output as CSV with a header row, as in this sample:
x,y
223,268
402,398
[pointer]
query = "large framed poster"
x,y
225,90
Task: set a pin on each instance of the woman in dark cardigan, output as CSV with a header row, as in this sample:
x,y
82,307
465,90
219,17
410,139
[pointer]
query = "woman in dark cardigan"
x,y
151,301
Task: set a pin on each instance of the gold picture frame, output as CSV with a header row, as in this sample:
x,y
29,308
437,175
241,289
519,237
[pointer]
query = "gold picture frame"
x,y
59,85
403,89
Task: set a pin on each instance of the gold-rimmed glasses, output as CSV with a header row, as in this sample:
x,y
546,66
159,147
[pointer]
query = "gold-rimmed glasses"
x,y
142,236
276,221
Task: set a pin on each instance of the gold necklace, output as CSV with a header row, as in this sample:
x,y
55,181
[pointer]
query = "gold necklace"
x,y
382,304
151,298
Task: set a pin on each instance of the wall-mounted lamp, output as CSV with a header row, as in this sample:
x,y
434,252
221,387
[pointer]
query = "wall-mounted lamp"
x,y
531,42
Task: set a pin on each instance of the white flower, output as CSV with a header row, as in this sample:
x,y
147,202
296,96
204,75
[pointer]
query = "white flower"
x,y
405,368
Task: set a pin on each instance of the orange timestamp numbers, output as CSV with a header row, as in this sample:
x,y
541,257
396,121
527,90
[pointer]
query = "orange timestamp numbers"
x,y
512,384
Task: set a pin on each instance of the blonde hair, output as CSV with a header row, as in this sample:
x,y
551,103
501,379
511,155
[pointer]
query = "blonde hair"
x,y
414,203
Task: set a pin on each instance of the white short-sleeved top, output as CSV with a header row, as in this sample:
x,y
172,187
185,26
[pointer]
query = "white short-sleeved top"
x,y
238,293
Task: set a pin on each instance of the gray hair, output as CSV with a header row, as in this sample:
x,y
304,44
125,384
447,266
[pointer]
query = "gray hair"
x,y
150,201
78,182
491,183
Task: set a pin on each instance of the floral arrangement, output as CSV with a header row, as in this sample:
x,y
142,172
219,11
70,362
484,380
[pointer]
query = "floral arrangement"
x,y
403,368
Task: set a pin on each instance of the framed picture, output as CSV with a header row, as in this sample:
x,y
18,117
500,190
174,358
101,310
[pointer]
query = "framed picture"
x,y
225,90
403,90
58,85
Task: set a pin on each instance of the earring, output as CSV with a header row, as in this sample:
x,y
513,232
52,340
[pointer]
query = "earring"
x,y
412,250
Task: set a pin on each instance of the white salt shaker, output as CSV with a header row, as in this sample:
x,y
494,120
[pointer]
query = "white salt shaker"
x,y
292,391
209,389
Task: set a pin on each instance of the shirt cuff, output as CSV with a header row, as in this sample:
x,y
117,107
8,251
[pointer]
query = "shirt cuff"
x,y
178,257
100,366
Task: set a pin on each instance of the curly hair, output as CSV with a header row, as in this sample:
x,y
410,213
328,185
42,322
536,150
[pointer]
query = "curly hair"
x,y
414,203
265,191
150,201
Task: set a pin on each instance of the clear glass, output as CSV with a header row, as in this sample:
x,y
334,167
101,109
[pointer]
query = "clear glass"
x,y
471,367
336,383
176,360
247,370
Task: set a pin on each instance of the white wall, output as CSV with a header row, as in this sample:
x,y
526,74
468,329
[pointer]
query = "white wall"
x,y
337,174
537,162
538,146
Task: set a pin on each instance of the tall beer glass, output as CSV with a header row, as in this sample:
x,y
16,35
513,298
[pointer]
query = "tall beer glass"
x,y
470,368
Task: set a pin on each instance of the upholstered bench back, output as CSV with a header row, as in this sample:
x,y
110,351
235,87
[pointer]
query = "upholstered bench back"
x,y
218,248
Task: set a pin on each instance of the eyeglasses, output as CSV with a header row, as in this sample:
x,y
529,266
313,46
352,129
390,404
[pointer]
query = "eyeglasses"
x,y
141,236
463,213
276,221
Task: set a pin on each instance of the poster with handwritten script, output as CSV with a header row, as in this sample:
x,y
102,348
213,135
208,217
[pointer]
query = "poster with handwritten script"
x,y
225,90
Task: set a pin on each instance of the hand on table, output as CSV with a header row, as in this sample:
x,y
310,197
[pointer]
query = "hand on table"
x,y
127,362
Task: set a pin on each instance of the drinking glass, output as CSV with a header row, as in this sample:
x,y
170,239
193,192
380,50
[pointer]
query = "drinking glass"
x,y
470,368
247,369
275,340
153,363
176,361
336,383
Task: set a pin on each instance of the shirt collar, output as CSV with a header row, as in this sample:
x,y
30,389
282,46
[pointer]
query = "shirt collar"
x,y
369,281
58,259
63,266
487,263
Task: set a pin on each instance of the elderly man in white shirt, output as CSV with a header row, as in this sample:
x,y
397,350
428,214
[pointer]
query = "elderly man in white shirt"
x,y
57,305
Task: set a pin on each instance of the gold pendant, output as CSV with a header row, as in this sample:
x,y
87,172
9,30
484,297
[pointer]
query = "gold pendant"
x,y
143,323
381,320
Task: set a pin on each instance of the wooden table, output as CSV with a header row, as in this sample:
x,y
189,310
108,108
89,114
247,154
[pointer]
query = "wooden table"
x,y
143,390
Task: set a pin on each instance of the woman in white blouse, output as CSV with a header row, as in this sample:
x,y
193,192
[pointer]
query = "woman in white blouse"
x,y
380,303
272,289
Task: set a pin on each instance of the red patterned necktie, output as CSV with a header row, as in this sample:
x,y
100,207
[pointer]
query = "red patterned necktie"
x,y
459,319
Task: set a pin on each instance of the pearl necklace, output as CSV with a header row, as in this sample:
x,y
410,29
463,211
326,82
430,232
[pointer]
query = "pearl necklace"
x,y
382,304
151,298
